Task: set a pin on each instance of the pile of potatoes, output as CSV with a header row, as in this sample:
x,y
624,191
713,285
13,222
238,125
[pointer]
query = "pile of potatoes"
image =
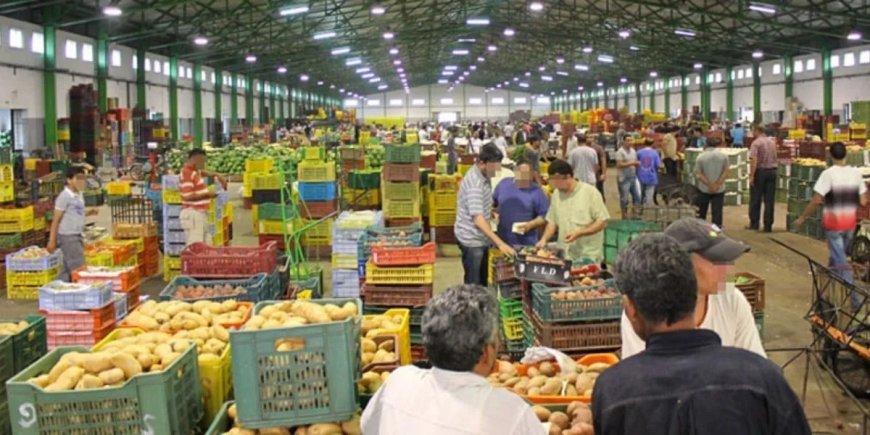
x,y
371,381
172,316
372,326
113,365
210,341
547,380
576,421
375,353
350,427
299,313
9,328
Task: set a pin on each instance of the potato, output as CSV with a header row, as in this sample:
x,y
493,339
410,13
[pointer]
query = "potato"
x,y
352,426
220,333
597,367
554,430
387,345
367,358
67,380
95,362
538,381
584,382
506,367
368,345
580,429
232,411
542,413
145,360
301,431
547,369
127,363
313,312
511,382
273,431
59,368
559,419
89,381
532,372
534,391
41,381
139,319
324,429
570,390
111,376
553,387
169,358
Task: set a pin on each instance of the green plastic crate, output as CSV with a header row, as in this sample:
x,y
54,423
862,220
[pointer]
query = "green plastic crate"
x,y
222,422
574,310
312,384
5,424
619,233
510,308
272,212
401,190
167,402
9,241
759,323
364,179
402,153
30,344
6,371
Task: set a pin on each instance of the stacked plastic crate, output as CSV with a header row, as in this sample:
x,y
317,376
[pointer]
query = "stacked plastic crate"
x,y
359,185
317,185
264,185
22,283
17,351
737,182
146,234
752,286
442,207
803,176
346,271
253,167
173,232
14,241
400,187
516,333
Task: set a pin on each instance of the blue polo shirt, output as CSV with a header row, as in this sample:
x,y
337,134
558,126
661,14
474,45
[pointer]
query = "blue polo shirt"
x,y
518,205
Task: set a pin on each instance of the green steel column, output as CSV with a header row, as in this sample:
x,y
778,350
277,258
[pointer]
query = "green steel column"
x,y
684,93
652,97
218,98
49,85
827,83
281,106
705,94
626,97
272,113
249,100
729,94
102,66
173,96
261,102
667,98
639,98
788,72
234,100
140,79
756,91
197,105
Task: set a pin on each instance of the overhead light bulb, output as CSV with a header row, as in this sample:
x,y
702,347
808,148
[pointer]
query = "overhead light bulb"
x,y
200,40
367,75
763,8
323,35
587,50
378,10
685,32
605,58
450,67
547,78
466,40
477,21
296,10
397,62
653,74
340,50
581,67
394,51
352,62
579,88
282,70
364,69
854,35
320,83
542,68
250,58
600,84
536,6
757,54
112,10
633,48
560,60
562,73
624,34
388,35
523,85
480,59
472,67
528,74
460,52
623,80
303,78
509,32
442,81
401,70
698,66
382,87
491,48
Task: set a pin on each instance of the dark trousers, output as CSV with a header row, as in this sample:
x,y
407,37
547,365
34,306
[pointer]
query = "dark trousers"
x,y
671,167
600,186
716,200
474,261
764,189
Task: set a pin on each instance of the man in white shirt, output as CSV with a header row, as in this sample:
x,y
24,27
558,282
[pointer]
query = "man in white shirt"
x,y
721,307
460,333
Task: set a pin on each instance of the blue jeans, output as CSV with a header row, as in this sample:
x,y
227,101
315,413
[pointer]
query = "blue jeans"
x,y
474,262
838,241
649,193
628,185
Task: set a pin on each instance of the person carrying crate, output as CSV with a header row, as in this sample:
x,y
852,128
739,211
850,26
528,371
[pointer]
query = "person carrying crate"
x,y
68,222
195,198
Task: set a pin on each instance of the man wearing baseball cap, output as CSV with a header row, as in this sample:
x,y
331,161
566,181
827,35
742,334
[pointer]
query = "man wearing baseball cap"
x,y
721,307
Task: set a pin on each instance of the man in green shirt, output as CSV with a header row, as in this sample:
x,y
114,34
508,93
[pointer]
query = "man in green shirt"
x,y
577,212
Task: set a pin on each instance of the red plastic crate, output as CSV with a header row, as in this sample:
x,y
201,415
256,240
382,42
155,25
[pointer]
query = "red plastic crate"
x,y
202,261
418,353
397,296
352,165
428,161
78,338
403,256
444,235
133,297
317,209
401,172
401,222
276,238
123,282
82,321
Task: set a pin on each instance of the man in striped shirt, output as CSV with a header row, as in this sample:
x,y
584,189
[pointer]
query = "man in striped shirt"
x,y
762,179
195,198
841,189
473,213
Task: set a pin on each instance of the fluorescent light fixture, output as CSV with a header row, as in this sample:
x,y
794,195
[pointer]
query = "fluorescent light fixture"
x,y
460,52
579,88
520,100
323,35
295,10
364,69
378,10
340,50
699,66
600,84
446,101
623,80
250,58
418,102
303,78
341,90
389,35
498,85
560,60
397,62
624,34
477,21
506,82
509,32
450,67
331,86
854,35
547,78
465,73
763,8
491,48
446,73
466,40
442,81
581,67
516,79
382,87
528,74
200,40
352,62
542,68
282,70
320,83
562,73
402,75
653,74
536,6
472,67
757,54
685,32
633,48
523,85
374,80
400,70
112,10
605,58
367,75
587,50
480,59
394,51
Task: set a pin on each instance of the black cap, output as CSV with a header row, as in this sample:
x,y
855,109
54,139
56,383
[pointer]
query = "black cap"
x,y
705,239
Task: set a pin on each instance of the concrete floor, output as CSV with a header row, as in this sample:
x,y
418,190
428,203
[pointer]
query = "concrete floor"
x,y
788,298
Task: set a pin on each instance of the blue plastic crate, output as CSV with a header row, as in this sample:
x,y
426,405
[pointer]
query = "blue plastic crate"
x,y
86,297
259,287
317,191
362,266
173,236
50,261
172,224
171,182
173,249
171,211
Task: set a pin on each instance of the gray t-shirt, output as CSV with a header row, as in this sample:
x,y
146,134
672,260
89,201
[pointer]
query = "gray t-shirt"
x,y
711,163
474,198
584,159
623,156
534,158
73,207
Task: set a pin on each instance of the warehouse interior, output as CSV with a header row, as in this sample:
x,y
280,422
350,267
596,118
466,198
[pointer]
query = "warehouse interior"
x,y
233,76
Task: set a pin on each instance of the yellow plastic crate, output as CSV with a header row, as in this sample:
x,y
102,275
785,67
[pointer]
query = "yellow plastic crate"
x,y
274,227
247,190
462,169
414,275
442,218
345,261
403,332
363,198
39,223
310,171
119,188
30,164
16,220
173,263
266,181
440,200
401,208
6,173
20,278
7,191
228,211
171,197
22,292
138,243
313,153
259,165
319,234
